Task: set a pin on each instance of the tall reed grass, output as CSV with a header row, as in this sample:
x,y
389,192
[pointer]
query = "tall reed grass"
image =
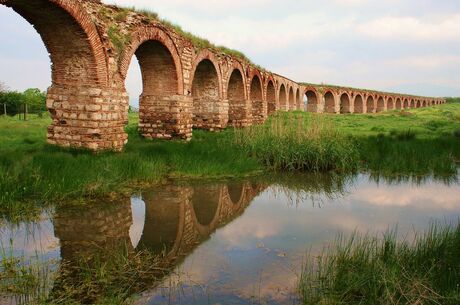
x,y
371,270
296,142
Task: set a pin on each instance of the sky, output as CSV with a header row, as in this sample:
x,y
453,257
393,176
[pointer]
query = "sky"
x,y
407,46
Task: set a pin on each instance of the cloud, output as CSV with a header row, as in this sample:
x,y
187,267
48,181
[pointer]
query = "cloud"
x,y
423,29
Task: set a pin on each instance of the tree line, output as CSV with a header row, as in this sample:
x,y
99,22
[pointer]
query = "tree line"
x,y
16,103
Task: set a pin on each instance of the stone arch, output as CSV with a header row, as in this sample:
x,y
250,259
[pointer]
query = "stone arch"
x,y
370,104
405,104
206,91
162,83
259,106
398,104
282,97
298,102
329,102
236,95
390,104
270,92
358,104
345,103
145,39
292,102
380,104
312,100
76,51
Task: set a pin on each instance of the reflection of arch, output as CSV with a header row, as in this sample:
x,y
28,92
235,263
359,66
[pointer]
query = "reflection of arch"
x,y
359,104
329,102
75,50
344,103
205,202
235,192
271,96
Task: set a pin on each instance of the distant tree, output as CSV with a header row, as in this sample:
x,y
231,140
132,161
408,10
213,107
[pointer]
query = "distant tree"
x,y
3,89
13,101
34,101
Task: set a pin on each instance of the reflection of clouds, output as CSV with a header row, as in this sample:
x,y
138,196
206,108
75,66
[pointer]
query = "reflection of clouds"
x,y
30,238
431,196
262,228
138,216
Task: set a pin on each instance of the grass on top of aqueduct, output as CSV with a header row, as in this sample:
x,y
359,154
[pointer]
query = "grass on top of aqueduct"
x,y
417,142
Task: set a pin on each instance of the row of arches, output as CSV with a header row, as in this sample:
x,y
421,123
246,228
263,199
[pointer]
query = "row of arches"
x,y
182,87
360,102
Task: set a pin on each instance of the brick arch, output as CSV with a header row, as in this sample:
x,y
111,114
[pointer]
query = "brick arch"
x,y
254,73
206,91
329,101
237,97
147,36
390,103
298,102
270,95
282,96
358,103
370,104
405,104
380,104
259,105
311,97
291,99
76,51
345,103
203,55
236,67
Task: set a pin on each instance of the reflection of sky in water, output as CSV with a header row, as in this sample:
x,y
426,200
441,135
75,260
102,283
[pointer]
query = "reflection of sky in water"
x,y
257,256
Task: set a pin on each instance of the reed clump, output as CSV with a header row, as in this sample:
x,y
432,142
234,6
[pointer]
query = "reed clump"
x,y
296,142
369,270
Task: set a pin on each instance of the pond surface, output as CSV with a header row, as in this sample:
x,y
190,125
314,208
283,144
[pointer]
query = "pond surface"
x,y
235,242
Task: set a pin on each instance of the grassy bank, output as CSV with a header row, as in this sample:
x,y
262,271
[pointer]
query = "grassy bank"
x,y
419,142
365,270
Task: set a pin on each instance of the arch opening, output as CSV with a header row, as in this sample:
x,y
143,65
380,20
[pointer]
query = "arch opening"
x,y
380,104
238,107
370,105
398,104
206,97
159,91
259,108
390,104
311,101
359,104
329,102
298,102
283,97
406,104
292,102
271,97
344,103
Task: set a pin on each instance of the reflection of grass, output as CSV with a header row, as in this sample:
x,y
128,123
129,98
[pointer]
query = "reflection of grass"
x,y
24,280
31,170
365,270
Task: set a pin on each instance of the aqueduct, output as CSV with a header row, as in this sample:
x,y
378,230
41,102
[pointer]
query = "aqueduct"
x,y
185,85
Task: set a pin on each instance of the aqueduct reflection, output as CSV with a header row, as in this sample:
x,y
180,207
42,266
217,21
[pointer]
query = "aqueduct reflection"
x,y
177,219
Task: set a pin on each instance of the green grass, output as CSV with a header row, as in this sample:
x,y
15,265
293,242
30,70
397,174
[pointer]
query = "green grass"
x,y
419,142
371,270
32,171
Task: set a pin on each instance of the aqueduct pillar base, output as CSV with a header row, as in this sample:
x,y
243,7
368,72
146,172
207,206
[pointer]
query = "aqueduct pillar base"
x,y
87,117
259,112
210,114
240,114
166,117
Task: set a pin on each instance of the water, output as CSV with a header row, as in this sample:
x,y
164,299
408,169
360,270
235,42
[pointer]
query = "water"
x,y
235,242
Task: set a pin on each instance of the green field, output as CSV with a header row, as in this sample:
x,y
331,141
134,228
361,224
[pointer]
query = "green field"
x,y
417,142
